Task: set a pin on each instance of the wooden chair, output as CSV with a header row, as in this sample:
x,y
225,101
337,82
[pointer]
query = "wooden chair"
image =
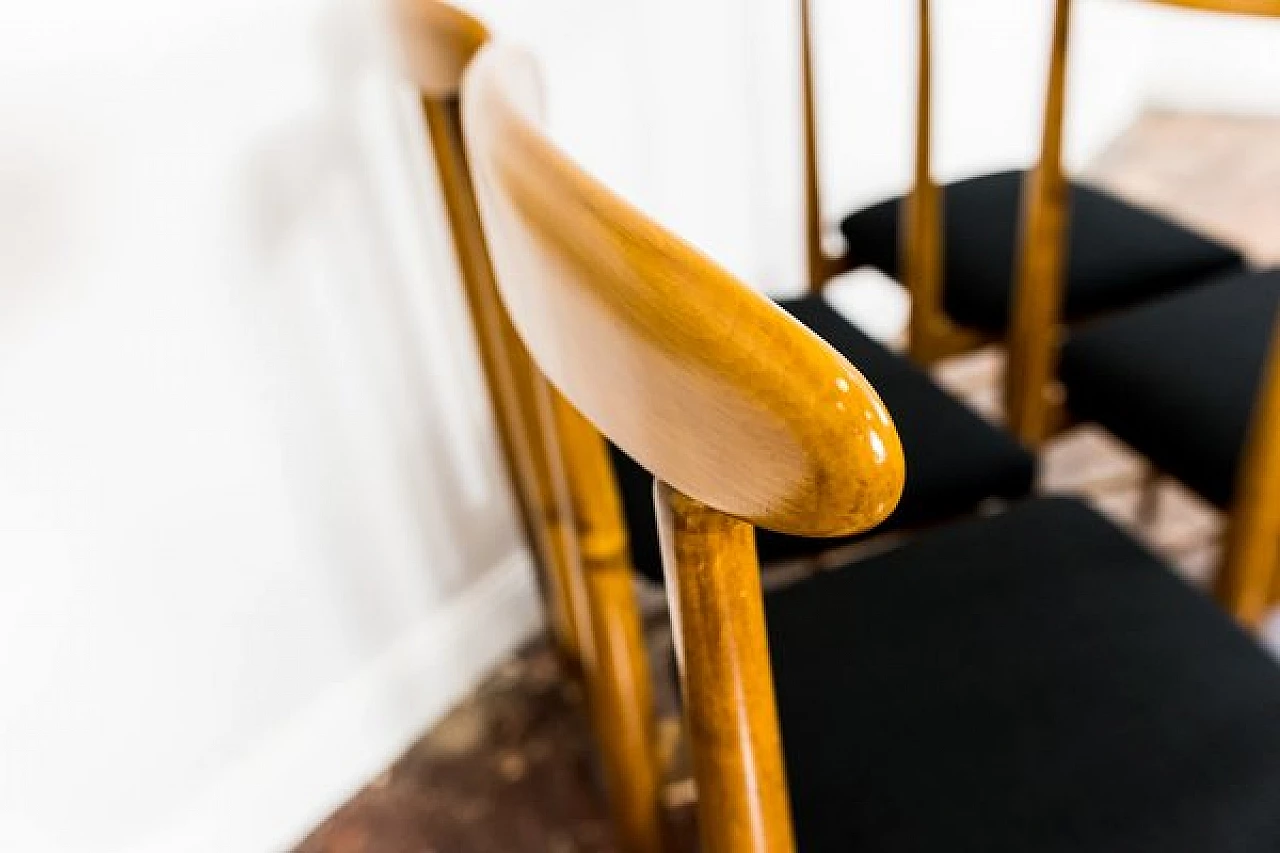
x,y
958,249
591,601
986,463
1033,681
1198,358
579,536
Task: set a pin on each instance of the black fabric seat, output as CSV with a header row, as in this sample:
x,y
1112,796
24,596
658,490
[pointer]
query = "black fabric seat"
x,y
955,460
1177,379
1034,682
1120,255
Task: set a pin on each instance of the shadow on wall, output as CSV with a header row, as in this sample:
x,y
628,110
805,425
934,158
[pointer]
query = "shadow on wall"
x,y
368,329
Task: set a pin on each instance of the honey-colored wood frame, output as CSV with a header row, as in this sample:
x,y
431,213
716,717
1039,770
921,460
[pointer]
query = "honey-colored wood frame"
x,y
1040,270
558,462
744,416
932,335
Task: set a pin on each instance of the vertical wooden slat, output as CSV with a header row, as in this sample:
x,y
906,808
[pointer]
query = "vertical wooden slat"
x,y
920,242
820,267
713,586
620,691
1041,265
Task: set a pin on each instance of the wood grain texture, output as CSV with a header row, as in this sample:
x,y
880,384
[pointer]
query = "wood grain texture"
x,y
1034,335
717,611
703,381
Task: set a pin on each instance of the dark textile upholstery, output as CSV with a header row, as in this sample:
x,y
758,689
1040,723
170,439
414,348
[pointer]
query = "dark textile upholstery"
x,y
955,460
1030,683
1120,255
1176,379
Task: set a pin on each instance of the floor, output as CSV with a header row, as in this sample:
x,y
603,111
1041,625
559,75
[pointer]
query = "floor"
x,y
511,768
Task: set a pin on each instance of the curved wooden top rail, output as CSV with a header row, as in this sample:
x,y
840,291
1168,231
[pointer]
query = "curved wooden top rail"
x,y
1261,8
703,381
439,42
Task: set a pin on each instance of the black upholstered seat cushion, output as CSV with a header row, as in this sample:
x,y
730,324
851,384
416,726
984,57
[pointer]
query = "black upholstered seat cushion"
x,y
955,460
1029,683
1120,254
1176,379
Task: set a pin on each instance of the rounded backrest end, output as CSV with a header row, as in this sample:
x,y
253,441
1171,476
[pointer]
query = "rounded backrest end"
x,y
703,381
438,42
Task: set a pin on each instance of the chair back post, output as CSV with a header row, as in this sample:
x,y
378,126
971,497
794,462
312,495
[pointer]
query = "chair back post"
x,y
1248,582
931,335
439,41
713,585
705,383
1041,263
820,267
620,692
921,226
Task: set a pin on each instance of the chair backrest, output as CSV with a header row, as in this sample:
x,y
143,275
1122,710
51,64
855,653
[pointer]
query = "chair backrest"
x,y
438,42
559,464
743,415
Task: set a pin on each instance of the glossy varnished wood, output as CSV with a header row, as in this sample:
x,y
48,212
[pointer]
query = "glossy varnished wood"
x,y
713,586
1034,335
707,383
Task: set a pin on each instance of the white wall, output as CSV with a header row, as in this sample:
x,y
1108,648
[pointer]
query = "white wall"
x,y
1202,62
253,530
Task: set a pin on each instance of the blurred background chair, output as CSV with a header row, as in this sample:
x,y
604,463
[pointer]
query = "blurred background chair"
x,y
1029,682
1192,383
1182,380
967,252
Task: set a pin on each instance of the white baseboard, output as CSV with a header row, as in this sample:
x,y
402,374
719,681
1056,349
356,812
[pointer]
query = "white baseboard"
x,y
274,797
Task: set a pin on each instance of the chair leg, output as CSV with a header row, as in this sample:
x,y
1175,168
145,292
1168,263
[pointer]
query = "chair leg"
x,y
717,610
